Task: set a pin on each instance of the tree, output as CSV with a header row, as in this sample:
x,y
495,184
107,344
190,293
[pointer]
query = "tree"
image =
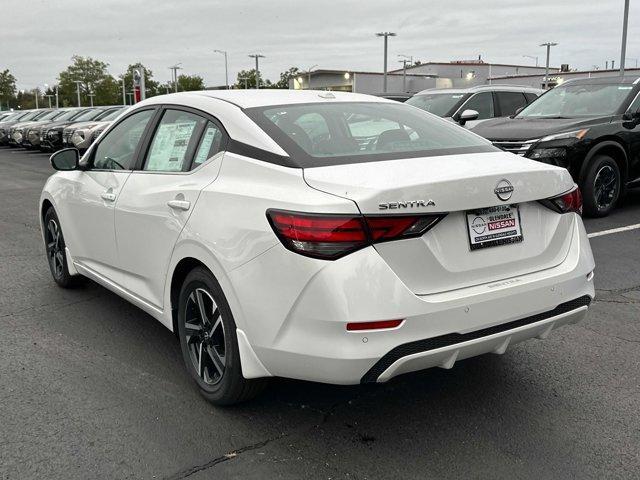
x,y
93,77
285,77
150,85
187,83
7,88
247,79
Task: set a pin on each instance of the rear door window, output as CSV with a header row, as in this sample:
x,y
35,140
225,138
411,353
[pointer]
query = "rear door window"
x,y
509,102
212,142
174,142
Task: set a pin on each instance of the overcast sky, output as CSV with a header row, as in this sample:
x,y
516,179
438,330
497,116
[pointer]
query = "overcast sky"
x,y
38,43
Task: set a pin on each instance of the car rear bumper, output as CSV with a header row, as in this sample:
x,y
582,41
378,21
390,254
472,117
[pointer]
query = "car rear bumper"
x,y
296,321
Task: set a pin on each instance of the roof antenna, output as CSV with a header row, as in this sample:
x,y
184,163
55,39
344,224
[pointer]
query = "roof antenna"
x,y
326,95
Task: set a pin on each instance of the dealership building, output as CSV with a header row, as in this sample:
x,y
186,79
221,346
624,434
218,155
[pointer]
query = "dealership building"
x,y
455,74
558,78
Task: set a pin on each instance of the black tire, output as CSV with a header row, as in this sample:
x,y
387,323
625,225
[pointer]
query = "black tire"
x,y
211,354
55,250
602,186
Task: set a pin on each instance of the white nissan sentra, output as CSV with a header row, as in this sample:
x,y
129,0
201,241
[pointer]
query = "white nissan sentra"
x,y
323,236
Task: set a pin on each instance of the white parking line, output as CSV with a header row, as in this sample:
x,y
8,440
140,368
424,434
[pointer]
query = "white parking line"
x,y
614,230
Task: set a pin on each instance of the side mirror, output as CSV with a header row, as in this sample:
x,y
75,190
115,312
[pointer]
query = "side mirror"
x,y
631,116
517,112
66,159
467,116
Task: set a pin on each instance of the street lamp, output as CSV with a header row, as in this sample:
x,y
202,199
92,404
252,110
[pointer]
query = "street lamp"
x,y
309,76
386,36
404,60
257,56
91,95
245,79
174,69
546,74
226,66
532,57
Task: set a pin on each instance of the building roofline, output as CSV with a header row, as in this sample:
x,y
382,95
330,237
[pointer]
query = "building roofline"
x,y
475,64
340,71
580,72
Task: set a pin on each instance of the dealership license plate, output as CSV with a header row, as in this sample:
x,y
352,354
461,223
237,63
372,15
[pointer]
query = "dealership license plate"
x,y
493,226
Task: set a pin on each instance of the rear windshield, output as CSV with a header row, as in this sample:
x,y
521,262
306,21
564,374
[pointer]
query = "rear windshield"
x,y
441,104
320,134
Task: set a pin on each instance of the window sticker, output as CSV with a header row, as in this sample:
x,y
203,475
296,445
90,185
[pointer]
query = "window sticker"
x,y
170,146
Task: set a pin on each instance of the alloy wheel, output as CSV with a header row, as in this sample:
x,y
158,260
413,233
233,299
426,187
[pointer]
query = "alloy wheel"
x,y
55,252
205,336
605,186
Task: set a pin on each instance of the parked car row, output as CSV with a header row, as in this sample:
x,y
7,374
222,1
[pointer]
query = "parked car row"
x,y
589,126
50,130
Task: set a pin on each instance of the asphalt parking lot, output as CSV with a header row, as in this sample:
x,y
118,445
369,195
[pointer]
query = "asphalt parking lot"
x,y
92,387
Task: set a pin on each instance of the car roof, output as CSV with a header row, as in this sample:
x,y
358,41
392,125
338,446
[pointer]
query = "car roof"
x,y
612,79
484,88
269,97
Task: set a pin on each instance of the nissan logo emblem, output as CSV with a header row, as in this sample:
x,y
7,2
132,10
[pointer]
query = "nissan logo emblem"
x,y
503,190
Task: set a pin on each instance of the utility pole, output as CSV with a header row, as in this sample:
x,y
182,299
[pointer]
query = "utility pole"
x,y
37,91
226,66
309,76
175,69
546,74
78,82
625,23
257,56
404,69
386,36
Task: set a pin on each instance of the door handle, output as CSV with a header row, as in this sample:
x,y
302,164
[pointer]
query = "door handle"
x,y
179,204
108,196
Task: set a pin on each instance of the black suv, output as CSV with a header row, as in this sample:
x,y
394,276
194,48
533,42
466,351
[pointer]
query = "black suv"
x,y
589,126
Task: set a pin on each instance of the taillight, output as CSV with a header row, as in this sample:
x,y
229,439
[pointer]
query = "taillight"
x,y
334,236
566,203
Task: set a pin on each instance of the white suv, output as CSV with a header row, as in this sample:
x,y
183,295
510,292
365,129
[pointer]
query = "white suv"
x,y
471,106
322,236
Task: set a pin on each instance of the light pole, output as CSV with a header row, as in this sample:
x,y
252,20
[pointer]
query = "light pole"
x,y
386,36
546,74
57,98
49,97
404,69
124,92
37,90
245,81
226,66
532,57
91,95
625,23
175,69
257,56
309,76
78,82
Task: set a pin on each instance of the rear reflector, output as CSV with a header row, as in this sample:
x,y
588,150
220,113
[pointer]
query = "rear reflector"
x,y
383,324
334,236
566,203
